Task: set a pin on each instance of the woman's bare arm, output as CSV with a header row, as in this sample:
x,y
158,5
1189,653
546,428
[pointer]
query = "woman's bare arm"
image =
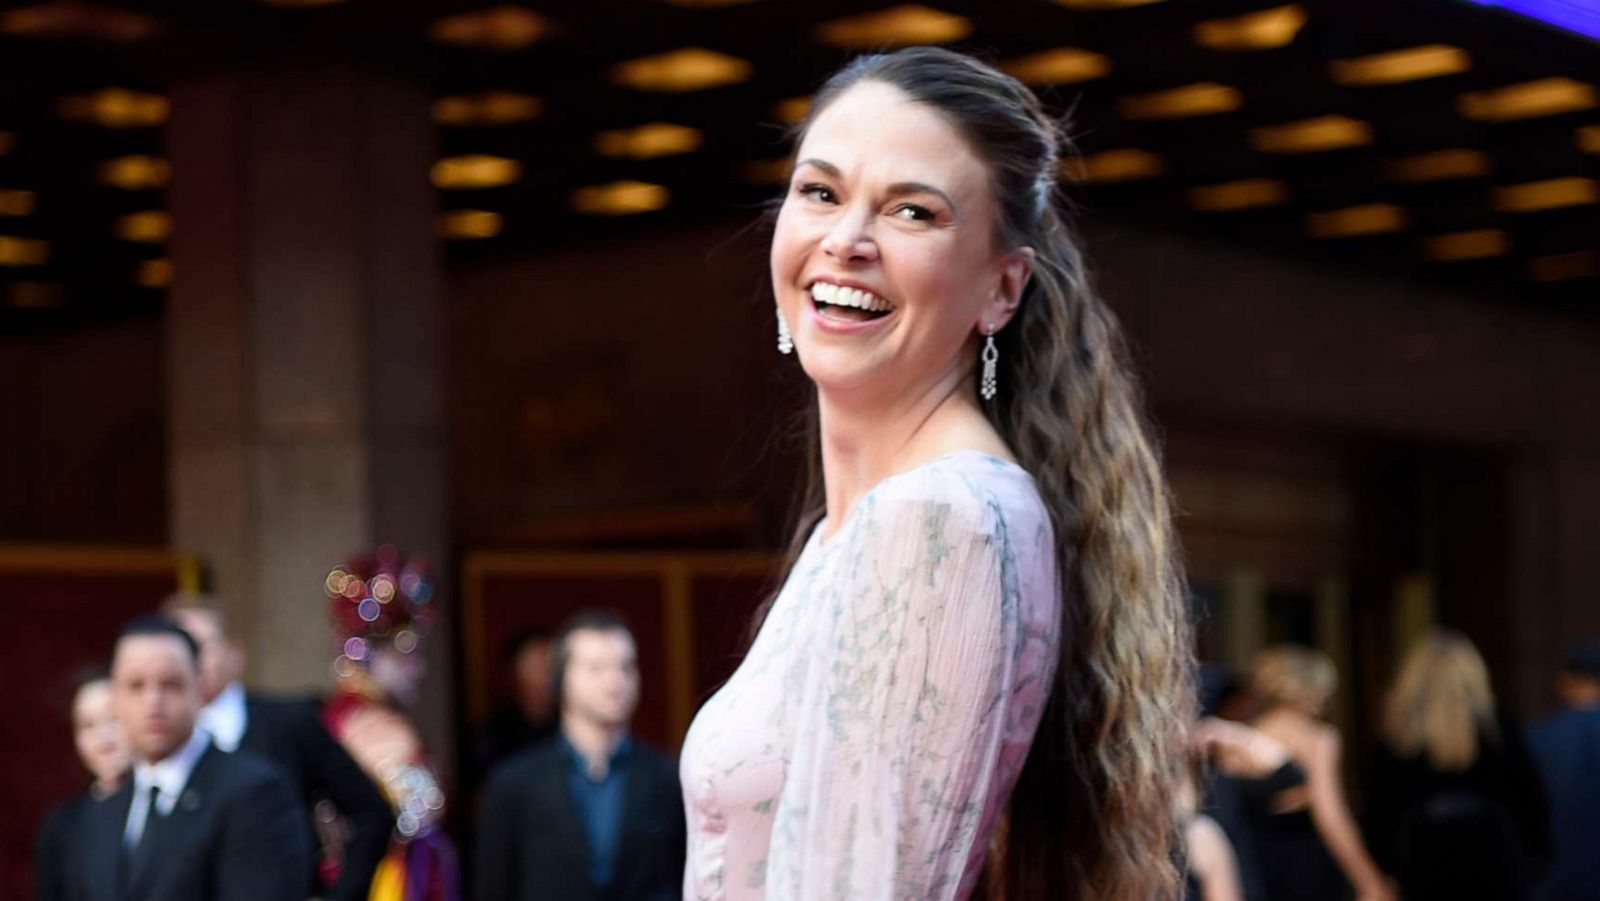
x,y
1332,817
1212,860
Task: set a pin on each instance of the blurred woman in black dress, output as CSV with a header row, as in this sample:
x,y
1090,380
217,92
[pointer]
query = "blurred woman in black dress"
x,y
1457,810
104,752
1310,849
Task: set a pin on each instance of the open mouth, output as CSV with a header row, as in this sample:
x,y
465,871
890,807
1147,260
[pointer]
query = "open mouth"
x,y
844,304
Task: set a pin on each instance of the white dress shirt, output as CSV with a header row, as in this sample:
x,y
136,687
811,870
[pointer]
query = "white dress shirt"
x,y
225,717
169,776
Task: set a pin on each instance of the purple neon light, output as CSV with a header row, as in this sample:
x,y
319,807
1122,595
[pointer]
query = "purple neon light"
x,y
1582,16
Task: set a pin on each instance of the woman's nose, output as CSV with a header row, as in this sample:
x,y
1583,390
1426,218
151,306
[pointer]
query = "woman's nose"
x,y
850,241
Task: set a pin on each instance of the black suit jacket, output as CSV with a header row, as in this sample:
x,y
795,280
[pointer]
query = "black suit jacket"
x,y
235,834
531,844
290,733
53,848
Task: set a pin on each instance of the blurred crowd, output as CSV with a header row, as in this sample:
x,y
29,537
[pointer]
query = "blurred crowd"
x,y
201,789
1461,802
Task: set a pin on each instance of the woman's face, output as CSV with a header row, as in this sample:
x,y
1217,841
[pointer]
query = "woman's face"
x,y
889,210
98,734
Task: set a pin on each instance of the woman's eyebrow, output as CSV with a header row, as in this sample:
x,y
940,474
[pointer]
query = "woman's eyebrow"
x,y
827,167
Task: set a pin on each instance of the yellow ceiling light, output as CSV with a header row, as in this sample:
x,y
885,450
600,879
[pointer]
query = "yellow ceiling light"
x,y
116,108
136,172
1355,221
680,71
1311,135
769,172
620,198
23,251
1478,244
648,141
1545,97
1589,139
501,28
459,225
475,170
487,108
35,295
16,202
1107,166
1243,194
1396,66
792,111
1259,30
155,273
1199,99
1063,65
1440,165
73,19
1561,267
1547,194
1092,5
897,26
147,227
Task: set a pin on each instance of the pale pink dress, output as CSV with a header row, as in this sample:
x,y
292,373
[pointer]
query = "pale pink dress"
x,y
869,742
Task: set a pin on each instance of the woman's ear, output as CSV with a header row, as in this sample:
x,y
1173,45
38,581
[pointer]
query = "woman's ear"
x,y
1016,268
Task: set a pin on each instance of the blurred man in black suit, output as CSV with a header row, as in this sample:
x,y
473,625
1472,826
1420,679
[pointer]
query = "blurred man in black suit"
x,y
193,823
591,813
290,733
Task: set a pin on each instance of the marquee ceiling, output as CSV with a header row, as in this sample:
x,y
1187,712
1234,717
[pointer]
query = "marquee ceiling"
x,y
1435,139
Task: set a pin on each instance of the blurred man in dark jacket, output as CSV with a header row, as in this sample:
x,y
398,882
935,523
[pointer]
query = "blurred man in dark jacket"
x,y
1566,751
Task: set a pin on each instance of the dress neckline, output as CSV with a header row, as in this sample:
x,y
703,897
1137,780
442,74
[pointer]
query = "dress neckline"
x,y
825,541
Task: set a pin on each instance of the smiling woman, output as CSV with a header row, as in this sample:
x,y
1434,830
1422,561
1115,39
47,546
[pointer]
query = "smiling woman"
x,y
966,573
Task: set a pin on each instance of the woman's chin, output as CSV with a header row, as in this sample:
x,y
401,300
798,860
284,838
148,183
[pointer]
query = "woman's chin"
x,y
835,376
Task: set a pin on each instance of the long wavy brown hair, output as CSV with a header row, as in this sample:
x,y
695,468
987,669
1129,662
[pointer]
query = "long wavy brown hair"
x,y
1094,814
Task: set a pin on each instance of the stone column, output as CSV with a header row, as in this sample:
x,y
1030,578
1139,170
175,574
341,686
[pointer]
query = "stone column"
x,y
305,370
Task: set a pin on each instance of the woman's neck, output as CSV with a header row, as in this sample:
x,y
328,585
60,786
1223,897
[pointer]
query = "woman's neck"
x,y
865,443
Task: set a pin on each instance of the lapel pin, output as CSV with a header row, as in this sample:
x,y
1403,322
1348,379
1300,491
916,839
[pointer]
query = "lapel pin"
x,y
190,801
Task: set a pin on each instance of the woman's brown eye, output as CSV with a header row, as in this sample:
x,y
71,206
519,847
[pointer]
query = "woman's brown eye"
x,y
818,192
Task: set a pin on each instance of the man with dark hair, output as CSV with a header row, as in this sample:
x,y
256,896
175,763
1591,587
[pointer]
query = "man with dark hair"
x,y
193,823
1566,750
290,733
591,813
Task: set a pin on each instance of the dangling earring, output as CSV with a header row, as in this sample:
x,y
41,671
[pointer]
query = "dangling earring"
x,y
991,355
785,343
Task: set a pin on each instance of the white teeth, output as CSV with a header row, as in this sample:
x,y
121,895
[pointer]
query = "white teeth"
x,y
838,295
